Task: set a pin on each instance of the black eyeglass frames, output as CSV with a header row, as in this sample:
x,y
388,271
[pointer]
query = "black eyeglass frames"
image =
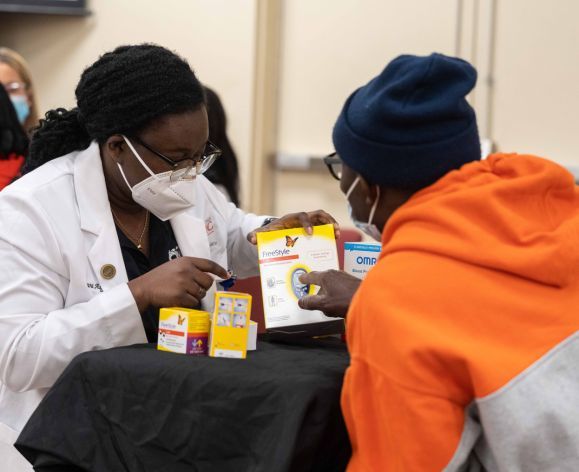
x,y
210,155
334,164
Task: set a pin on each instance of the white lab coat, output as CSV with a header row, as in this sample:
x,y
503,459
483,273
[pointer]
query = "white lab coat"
x,y
56,234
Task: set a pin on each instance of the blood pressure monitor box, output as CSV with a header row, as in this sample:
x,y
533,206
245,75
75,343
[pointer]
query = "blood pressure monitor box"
x,y
285,255
360,257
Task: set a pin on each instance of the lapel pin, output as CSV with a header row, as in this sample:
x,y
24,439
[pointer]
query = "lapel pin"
x,y
108,271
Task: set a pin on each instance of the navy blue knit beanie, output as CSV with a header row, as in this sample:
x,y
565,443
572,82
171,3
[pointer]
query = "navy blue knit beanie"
x,y
411,124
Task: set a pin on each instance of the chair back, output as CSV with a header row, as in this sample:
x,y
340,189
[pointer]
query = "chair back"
x,y
347,235
252,285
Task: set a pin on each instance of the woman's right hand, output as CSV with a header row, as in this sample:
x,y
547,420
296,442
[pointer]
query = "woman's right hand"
x,y
182,282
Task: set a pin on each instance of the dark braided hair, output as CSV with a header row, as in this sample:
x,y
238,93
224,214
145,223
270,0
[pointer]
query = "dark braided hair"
x,y
123,92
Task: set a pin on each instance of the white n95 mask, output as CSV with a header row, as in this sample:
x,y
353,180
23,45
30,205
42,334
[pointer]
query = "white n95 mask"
x,y
165,195
369,228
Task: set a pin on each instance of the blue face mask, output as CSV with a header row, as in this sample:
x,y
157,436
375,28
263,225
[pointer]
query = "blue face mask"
x,y
20,103
369,228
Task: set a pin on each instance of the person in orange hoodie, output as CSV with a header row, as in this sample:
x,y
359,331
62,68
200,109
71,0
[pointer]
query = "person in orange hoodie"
x,y
464,337
13,141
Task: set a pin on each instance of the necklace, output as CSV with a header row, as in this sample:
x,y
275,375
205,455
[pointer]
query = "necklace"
x,y
137,242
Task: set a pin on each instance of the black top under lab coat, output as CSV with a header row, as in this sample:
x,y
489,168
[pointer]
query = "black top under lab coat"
x,y
162,248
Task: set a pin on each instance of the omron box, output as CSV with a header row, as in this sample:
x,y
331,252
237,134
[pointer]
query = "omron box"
x,y
359,258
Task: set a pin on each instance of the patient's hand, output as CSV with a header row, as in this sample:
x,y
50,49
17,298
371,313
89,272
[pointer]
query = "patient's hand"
x,y
336,292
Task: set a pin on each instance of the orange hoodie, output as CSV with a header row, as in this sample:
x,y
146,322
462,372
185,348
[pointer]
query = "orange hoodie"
x,y
463,337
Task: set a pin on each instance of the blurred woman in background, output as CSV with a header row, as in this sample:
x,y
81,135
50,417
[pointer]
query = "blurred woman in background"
x,y
224,174
13,142
17,81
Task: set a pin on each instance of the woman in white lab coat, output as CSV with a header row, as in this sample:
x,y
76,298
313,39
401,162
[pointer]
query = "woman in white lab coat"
x,y
114,221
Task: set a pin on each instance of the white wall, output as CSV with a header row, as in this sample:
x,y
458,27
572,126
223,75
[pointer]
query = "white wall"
x,y
331,47
536,101
215,36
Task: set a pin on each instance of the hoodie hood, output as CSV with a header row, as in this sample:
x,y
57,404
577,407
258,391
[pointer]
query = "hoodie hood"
x,y
511,213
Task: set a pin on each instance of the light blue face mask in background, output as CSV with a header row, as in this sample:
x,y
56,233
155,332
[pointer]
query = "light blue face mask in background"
x,y
20,103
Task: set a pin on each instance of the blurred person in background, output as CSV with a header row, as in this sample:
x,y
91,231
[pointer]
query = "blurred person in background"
x,y
13,142
17,81
224,174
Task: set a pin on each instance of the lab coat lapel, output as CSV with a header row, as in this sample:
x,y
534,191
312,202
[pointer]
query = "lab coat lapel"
x,y
191,237
96,219
106,258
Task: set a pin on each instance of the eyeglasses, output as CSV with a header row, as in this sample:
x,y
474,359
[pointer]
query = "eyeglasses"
x,y
334,164
183,167
15,88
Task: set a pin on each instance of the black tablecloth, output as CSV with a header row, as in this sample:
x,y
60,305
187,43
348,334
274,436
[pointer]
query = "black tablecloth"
x,y
139,409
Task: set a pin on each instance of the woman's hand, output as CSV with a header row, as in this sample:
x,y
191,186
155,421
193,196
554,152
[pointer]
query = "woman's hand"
x,y
337,288
297,220
182,282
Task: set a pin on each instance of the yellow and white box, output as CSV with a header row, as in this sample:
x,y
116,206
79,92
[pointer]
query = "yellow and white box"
x,y
360,257
183,331
230,325
285,255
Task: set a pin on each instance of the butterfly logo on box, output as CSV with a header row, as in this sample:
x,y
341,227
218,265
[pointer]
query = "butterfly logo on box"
x,y
289,242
